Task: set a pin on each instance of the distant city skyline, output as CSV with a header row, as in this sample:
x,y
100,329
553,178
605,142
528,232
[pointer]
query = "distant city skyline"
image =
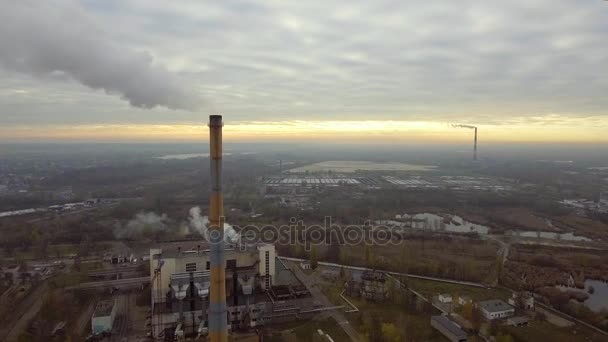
x,y
387,71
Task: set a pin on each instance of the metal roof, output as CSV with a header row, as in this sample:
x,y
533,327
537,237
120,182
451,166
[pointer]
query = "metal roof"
x,y
495,305
449,326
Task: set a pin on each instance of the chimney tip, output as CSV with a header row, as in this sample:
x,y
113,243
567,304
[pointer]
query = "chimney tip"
x,y
215,120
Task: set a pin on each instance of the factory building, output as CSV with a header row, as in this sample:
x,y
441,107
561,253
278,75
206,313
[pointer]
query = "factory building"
x,y
181,280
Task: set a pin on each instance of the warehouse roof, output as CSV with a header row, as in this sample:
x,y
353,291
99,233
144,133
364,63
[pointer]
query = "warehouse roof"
x,y
449,326
495,305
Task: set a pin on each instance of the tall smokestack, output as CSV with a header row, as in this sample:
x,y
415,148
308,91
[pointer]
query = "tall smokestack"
x,y
218,331
474,142
475,146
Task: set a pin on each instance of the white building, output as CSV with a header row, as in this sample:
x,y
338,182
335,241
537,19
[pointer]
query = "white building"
x,y
496,309
445,298
103,317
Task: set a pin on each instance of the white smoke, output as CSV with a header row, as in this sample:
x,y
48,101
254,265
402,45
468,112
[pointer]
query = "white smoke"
x,y
50,37
200,224
143,223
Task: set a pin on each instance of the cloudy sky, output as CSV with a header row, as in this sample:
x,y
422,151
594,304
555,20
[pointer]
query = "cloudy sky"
x,y
521,70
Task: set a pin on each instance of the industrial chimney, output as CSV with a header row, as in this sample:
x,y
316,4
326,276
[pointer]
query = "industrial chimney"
x,y
474,142
218,331
475,146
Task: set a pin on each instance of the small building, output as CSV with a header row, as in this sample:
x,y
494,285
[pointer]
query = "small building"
x,y
522,300
496,309
305,265
445,298
103,317
462,300
520,321
448,328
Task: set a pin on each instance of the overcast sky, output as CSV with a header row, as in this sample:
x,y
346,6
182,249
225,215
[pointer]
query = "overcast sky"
x,y
158,62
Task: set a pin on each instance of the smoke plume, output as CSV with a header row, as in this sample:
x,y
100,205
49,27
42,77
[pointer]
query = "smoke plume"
x,y
44,38
464,126
200,224
142,224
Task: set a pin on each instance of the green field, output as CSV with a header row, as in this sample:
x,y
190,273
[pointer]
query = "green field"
x,y
306,331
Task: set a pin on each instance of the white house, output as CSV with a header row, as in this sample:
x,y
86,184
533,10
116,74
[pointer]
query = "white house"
x,y
496,309
305,265
445,298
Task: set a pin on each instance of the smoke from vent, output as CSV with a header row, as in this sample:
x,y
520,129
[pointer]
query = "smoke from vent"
x,y
464,126
57,38
142,224
145,224
200,224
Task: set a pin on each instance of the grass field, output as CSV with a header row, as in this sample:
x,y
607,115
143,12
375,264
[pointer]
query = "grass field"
x,y
306,331
432,288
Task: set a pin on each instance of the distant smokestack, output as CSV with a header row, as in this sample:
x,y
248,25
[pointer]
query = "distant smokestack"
x,y
218,330
280,166
474,141
475,146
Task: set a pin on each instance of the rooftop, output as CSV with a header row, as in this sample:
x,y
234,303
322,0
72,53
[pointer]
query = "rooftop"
x,y
518,320
201,247
495,305
450,326
104,308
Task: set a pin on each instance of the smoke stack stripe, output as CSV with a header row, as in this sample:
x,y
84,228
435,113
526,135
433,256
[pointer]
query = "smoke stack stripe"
x,y
218,331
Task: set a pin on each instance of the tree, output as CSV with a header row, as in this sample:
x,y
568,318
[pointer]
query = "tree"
x,y
476,318
504,338
467,311
375,331
314,262
390,333
333,253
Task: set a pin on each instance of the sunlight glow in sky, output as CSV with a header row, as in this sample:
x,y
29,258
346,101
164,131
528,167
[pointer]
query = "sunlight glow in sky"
x,y
587,131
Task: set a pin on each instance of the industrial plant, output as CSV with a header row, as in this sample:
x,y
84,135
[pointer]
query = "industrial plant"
x,y
212,288
181,282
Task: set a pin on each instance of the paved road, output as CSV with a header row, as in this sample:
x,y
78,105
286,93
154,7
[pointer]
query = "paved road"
x,y
108,283
113,271
309,282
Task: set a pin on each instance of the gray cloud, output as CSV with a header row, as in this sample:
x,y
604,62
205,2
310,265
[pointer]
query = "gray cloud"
x,y
57,39
454,61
